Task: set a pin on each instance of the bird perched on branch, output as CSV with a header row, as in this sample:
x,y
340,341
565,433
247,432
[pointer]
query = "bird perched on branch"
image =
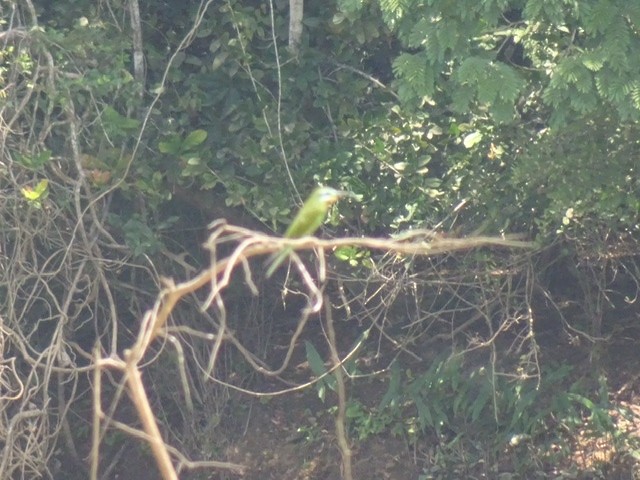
x,y
308,219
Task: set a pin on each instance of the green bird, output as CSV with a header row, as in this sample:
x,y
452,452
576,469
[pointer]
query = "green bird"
x,y
308,220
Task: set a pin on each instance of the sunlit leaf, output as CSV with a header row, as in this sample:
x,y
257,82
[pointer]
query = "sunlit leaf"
x,y
194,139
472,139
36,193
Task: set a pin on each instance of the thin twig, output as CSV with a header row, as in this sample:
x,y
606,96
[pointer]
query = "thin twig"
x,y
341,390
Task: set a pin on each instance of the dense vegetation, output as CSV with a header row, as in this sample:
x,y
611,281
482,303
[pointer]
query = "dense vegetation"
x,y
127,127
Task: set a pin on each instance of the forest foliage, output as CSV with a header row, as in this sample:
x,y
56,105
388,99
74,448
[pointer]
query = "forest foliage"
x,y
418,106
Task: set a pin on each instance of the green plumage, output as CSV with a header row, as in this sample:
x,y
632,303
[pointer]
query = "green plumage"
x,y
308,219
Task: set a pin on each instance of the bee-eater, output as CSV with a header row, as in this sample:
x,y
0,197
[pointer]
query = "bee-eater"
x,y
308,219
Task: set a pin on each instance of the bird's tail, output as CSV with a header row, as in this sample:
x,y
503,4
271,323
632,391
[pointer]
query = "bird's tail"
x,y
274,261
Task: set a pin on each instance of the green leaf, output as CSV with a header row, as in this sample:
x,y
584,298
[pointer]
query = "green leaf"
x,y
425,418
315,360
34,161
393,391
350,6
322,391
480,402
112,117
194,139
171,146
37,193
472,139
